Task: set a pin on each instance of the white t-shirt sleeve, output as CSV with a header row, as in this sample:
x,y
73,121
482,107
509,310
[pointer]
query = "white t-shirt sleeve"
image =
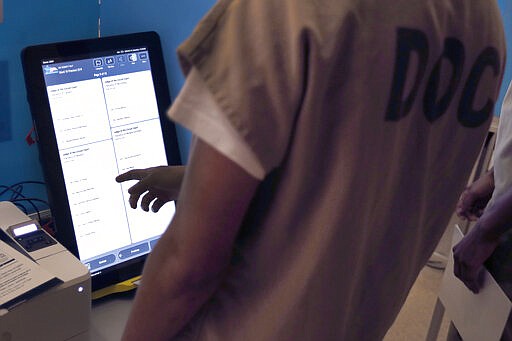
x,y
196,109
502,158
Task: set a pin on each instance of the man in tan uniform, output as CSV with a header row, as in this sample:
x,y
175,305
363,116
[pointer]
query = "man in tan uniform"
x,y
333,139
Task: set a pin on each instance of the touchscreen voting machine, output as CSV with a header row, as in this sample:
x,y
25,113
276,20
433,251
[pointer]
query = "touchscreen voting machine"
x,y
99,109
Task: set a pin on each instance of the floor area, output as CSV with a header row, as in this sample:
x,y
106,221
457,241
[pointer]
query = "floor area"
x,y
413,322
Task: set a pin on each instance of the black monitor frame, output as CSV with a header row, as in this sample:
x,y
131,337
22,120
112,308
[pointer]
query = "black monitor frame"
x,y
32,58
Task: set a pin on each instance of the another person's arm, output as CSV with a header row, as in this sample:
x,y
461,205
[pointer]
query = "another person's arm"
x,y
191,258
481,241
475,197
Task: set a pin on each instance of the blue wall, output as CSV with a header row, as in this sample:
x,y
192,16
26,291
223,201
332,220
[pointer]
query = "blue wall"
x,y
43,21
39,21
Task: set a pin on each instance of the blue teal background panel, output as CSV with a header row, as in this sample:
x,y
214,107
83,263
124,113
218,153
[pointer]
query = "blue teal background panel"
x,y
5,103
30,23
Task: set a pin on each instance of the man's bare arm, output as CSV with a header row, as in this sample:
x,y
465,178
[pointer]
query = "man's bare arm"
x,y
190,259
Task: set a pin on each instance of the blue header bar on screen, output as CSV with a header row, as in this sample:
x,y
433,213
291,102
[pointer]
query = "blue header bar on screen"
x,y
118,63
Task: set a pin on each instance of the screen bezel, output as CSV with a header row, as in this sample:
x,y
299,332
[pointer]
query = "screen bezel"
x,y
32,58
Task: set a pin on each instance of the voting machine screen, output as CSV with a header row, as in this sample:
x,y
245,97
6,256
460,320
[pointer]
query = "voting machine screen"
x,y
99,107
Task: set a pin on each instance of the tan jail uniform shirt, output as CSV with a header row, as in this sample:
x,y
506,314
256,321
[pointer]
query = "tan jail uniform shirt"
x,y
363,120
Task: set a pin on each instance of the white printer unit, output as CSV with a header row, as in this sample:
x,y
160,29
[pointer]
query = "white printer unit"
x,y
61,312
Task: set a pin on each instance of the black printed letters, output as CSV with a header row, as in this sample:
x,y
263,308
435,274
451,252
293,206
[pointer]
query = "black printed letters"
x,y
435,104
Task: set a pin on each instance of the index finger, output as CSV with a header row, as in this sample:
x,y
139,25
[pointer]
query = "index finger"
x,y
134,174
